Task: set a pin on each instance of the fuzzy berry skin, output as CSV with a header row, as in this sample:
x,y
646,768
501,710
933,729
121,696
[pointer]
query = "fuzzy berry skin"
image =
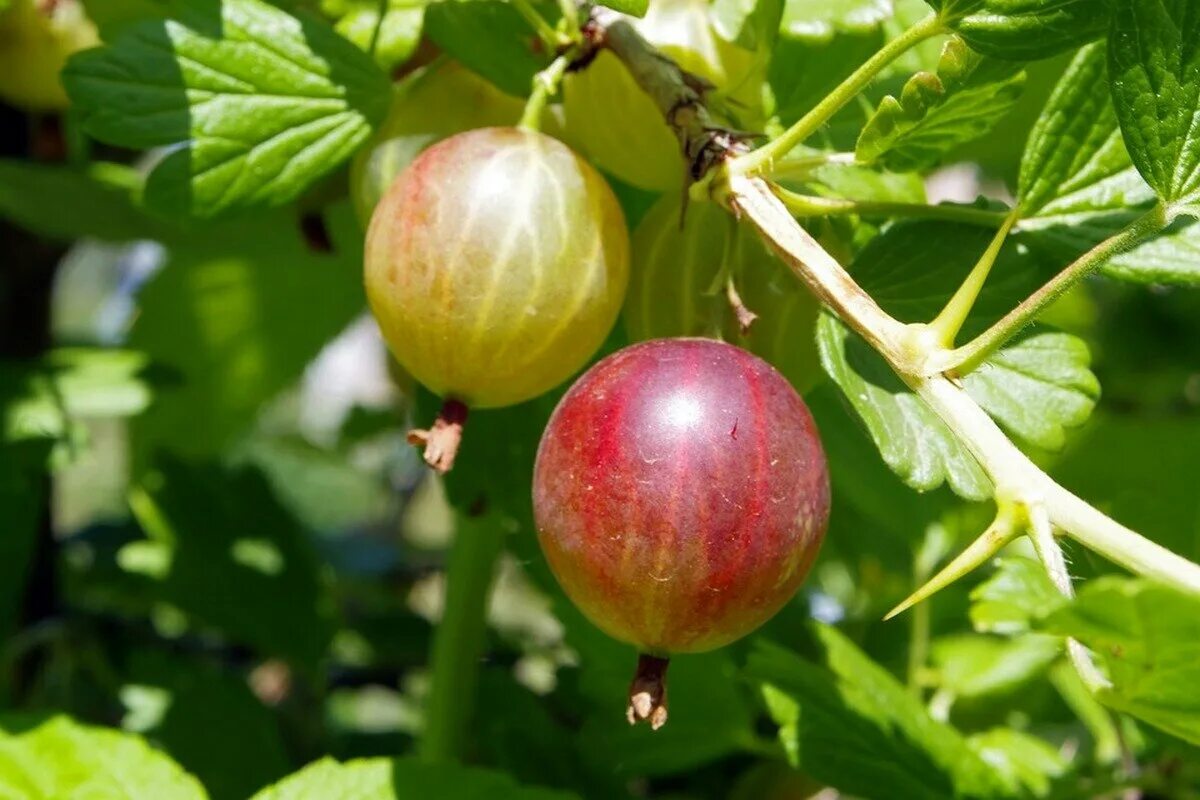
x,y
681,494
496,264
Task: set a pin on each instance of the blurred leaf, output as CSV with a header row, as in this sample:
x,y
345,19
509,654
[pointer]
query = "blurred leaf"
x,y
23,489
1148,639
819,44
751,24
234,313
969,665
1024,29
399,779
259,104
854,727
398,35
102,205
1027,764
1141,471
1154,70
490,37
209,721
235,560
1035,387
936,113
60,758
1016,593
635,7
1078,186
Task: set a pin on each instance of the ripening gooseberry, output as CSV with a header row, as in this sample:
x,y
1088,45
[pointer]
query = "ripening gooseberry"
x,y
36,38
496,264
680,495
619,127
675,288
419,116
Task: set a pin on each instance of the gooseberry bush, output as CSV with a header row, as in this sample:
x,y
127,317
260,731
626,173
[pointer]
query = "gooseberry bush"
x,y
813,384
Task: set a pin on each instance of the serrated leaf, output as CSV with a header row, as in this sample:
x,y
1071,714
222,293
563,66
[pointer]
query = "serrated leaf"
x,y
257,104
938,112
1035,387
61,758
1024,29
1154,70
1017,592
1147,637
490,37
853,726
1028,764
1078,186
399,779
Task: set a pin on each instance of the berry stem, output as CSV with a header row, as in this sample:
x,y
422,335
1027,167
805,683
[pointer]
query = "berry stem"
x,y
762,159
458,643
809,206
964,359
441,441
545,84
648,692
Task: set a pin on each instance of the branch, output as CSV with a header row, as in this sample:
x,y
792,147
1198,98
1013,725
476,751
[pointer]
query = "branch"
x,y
907,348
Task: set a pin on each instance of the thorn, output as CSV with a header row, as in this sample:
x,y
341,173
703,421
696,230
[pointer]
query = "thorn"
x,y
1002,531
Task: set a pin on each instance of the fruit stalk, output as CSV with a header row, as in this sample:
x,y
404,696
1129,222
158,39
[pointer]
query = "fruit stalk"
x,y
459,642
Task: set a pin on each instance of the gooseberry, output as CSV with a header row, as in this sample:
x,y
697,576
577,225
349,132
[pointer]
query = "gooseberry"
x,y
495,264
36,38
619,127
419,116
678,263
680,494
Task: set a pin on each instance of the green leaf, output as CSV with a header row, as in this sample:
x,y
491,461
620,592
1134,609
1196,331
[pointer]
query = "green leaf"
x,y
223,313
1154,69
1078,186
853,726
398,35
399,779
969,665
1028,765
819,44
751,24
1036,387
60,758
1024,29
233,558
207,718
1148,639
637,8
260,103
1017,592
490,37
937,112
102,205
